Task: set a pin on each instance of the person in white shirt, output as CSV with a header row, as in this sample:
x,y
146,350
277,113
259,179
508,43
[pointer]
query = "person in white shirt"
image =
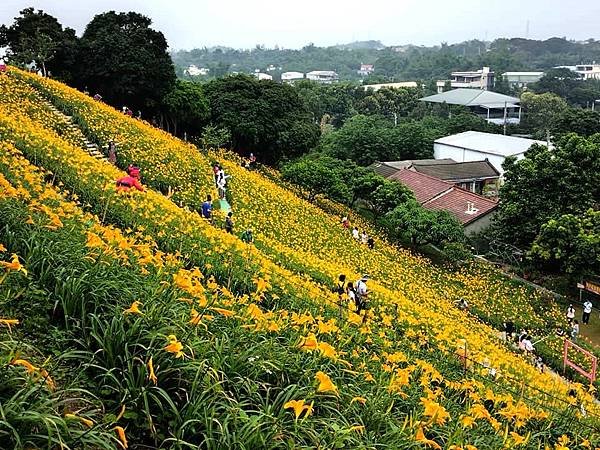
x,y
364,237
526,345
570,312
355,234
361,295
587,310
575,330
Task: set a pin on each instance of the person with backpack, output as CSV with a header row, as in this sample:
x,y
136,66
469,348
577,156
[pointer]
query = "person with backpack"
x,y
229,223
207,208
362,294
340,290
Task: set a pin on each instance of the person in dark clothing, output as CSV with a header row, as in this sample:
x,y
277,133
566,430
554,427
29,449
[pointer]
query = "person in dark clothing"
x,y
207,208
247,237
370,243
229,223
509,329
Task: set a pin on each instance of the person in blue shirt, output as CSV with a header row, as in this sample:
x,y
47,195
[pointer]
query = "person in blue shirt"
x,y
207,208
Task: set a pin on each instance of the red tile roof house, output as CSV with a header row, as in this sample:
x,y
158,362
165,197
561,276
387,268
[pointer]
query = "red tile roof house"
x,y
474,211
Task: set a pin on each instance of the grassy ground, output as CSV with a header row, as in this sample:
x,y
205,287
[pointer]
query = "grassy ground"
x,y
592,330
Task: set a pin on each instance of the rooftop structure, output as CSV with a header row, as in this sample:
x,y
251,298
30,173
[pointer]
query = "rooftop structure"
x,y
494,107
290,77
473,211
522,79
401,84
474,176
585,71
478,79
475,146
323,76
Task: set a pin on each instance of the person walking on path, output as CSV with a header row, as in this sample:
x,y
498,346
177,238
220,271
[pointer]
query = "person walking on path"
x,y
575,330
570,313
112,152
355,233
229,223
587,311
247,237
362,294
509,329
351,293
364,238
345,222
340,290
216,170
370,242
207,208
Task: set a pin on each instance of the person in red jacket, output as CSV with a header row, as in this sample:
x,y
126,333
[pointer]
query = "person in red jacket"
x,y
132,180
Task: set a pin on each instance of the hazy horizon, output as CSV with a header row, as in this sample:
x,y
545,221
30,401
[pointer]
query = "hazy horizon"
x,y
243,25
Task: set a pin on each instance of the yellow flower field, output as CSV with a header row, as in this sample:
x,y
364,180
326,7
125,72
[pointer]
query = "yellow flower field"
x,y
415,349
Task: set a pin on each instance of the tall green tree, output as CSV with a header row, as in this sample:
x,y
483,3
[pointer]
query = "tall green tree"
x,y
540,112
387,196
547,184
125,60
36,36
411,222
185,108
264,117
570,244
318,176
584,122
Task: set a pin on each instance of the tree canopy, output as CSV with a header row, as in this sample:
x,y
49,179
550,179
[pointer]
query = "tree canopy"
x,y
264,117
570,244
36,36
125,60
547,184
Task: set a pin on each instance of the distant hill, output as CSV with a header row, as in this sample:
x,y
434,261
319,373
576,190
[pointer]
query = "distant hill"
x,y
397,62
361,45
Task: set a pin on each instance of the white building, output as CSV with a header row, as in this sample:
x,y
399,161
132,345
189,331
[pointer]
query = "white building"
x,y
290,77
366,69
522,79
585,71
323,76
588,71
476,146
263,76
194,71
479,79
401,84
495,108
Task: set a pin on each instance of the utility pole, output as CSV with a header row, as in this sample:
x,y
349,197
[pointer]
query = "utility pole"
x,y
505,111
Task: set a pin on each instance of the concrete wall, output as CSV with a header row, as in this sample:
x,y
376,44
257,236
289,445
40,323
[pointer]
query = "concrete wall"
x,y
477,225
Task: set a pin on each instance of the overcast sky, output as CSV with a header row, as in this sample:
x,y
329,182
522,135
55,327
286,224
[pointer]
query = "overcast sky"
x,y
293,23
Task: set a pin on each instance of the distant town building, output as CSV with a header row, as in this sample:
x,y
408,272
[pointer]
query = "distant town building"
x,y
194,71
323,76
263,76
522,79
401,84
366,69
479,79
495,108
588,71
290,77
272,68
585,71
473,211
476,146
479,177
